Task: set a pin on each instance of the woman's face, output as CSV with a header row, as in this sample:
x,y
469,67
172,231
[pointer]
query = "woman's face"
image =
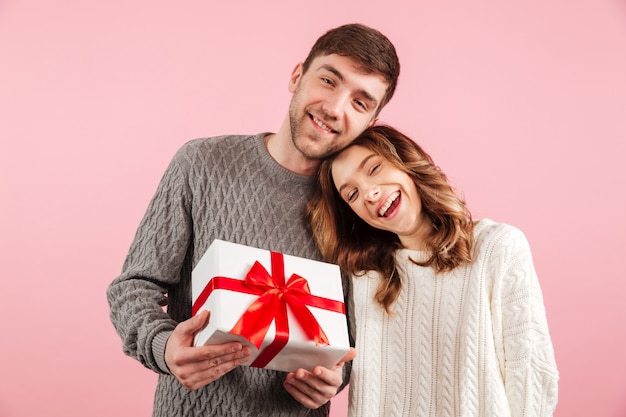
x,y
381,194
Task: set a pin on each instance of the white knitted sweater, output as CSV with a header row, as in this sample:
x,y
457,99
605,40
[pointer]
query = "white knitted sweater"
x,y
471,342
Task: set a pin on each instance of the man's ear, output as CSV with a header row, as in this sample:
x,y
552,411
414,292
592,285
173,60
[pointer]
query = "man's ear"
x,y
296,74
373,122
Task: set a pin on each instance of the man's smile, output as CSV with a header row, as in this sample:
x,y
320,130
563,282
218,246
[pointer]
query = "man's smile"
x,y
321,124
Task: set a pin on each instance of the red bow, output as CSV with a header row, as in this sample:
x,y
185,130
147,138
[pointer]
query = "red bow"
x,y
274,296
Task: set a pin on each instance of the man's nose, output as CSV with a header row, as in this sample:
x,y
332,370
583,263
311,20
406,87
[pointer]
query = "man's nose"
x,y
334,106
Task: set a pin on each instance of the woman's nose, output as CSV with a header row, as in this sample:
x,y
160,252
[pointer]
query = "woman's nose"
x,y
373,194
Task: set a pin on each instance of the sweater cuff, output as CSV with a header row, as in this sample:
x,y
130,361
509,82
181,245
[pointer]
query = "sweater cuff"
x,y
158,350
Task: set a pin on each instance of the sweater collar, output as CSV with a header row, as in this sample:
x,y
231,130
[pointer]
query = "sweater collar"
x,y
276,170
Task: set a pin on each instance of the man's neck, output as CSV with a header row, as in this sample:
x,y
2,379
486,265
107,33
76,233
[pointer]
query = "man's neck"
x,y
281,148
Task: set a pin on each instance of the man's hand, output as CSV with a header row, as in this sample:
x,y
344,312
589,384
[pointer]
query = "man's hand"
x,y
198,366
314,389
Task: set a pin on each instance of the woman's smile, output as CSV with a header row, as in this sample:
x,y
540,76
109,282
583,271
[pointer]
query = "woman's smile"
x,y
389,205
381,194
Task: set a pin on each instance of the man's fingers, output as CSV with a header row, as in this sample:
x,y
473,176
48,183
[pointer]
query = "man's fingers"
x,y
348,356
308,390
196,366
312,389
206,369
186,330
197,322
212,355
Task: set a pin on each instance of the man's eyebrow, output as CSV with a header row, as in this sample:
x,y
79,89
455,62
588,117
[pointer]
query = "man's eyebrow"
x,y
359,168
339,76
332,69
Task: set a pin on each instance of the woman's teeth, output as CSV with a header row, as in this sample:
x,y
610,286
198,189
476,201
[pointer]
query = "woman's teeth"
x,y
388,203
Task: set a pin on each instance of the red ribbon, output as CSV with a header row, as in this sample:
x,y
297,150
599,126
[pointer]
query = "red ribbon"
x,y
274,295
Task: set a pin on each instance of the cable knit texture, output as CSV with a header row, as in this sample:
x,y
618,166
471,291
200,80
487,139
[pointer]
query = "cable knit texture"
x,y
471,342
227,188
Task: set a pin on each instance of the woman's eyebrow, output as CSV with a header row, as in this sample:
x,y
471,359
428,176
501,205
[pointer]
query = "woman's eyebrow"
x,y
359,168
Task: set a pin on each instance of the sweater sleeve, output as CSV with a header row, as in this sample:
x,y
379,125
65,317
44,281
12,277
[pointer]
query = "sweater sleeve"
x,y
137,297
529,367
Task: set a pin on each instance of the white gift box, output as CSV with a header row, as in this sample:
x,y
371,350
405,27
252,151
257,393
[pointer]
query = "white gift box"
x,y
219,285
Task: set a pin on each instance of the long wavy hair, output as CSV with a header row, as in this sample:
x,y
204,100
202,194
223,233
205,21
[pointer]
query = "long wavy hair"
x,y
347,240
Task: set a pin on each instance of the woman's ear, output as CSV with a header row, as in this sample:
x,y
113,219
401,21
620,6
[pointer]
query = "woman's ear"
x,y
296,74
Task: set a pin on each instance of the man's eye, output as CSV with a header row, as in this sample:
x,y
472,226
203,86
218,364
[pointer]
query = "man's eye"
x,y
361,104
327,81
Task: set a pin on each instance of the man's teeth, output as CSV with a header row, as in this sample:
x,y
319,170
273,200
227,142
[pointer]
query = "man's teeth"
x,y
322,124
388,203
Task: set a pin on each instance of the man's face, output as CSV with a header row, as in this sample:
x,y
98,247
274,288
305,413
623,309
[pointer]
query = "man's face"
x,y
332,103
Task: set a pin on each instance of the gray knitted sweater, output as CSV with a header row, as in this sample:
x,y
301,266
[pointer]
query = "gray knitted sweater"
x,y
228,188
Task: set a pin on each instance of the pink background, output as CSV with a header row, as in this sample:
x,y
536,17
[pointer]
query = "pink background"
x,y
523,104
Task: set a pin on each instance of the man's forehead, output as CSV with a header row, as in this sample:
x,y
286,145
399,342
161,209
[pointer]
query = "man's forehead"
x,y
341,61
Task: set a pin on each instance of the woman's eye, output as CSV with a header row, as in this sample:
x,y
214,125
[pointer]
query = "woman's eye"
x,y
351,196
374,169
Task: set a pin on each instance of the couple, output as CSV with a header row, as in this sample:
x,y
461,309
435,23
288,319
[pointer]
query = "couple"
x,y
447,314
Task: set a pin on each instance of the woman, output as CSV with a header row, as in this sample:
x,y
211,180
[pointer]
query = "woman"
x,y
447,313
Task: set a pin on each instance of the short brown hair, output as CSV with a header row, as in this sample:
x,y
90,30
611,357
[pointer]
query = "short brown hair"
x,y
369,47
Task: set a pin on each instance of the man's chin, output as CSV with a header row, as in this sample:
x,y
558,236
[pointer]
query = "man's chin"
x,y
318,152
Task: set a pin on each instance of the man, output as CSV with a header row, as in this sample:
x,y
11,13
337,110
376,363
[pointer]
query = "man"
x,y
249,190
